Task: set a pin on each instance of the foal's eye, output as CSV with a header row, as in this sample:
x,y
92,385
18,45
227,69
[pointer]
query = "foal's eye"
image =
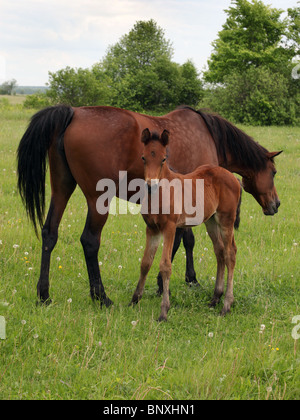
x,y
274,173
163,160
143,159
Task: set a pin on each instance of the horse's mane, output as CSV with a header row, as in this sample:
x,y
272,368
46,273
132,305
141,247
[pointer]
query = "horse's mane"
x,y
230,139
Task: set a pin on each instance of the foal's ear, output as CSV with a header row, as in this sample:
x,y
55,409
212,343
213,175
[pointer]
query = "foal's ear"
x,y
271,155
165,138
146,136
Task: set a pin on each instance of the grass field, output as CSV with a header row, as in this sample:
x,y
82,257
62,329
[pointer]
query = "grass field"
x,y
72,349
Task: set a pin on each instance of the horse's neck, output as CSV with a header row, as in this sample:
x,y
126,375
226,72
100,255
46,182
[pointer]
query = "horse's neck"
x,y
236,167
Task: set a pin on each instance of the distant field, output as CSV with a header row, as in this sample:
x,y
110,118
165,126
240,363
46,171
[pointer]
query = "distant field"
x,y
14,99
72,349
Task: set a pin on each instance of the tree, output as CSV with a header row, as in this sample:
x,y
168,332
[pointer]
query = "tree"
x,y
7,87
142,72
137,73
77,87
257,96
251,66
293,29
251,37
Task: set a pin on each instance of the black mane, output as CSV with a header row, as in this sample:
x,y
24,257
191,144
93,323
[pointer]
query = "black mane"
x,y
230,139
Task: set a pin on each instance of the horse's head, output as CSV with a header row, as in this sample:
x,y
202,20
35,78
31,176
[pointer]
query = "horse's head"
x,y
154,156
261,185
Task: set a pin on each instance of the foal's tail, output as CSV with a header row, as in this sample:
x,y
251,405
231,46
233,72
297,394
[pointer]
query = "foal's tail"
x,y
238,210
45,125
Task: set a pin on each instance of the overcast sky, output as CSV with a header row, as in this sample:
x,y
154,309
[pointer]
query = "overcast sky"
x,y
38,36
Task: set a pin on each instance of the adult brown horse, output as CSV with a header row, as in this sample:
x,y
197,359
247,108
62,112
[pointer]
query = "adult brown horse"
x,y
88,144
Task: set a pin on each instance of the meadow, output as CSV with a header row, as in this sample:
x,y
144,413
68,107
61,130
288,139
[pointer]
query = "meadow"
x,y
73,349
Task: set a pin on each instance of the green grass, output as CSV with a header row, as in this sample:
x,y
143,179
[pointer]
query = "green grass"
x,y
72,349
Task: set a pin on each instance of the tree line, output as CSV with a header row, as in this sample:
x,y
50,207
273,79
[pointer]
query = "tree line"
x,y
250,76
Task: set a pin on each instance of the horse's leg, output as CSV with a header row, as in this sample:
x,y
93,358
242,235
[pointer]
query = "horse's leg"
x,y
230,258
166,269
90,240
215,235
189,243
62,185
152,242
177,241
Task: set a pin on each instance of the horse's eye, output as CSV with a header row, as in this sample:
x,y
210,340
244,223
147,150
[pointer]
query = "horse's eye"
x,y
163,161
274,173
143,159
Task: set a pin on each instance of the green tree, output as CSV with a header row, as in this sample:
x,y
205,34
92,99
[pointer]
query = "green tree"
x,y
77,87
257,96
293,29
250,69
136,73
143,75
7,87
251,37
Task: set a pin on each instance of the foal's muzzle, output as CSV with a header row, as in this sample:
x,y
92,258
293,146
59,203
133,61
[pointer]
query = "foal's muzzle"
x,y
152,185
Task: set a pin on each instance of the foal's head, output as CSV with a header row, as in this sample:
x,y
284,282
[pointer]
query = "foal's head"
x,y
154,156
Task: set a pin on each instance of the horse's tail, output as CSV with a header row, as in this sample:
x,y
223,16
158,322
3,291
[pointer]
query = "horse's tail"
x,y
238,210
45,125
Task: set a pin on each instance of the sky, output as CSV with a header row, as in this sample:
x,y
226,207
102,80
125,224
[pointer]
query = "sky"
x,y
37,36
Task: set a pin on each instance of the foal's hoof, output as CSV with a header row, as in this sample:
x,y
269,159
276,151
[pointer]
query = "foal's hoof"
x,y
133,302
224,312
214,302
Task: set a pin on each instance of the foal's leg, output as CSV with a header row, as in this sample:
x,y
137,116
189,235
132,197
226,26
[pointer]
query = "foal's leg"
x,y
215,235
90,240
230,258
166,269
177,241
152,242
63,185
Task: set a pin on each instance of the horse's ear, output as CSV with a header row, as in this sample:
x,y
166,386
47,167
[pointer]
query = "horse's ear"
x,y
271,155
165,138
146,136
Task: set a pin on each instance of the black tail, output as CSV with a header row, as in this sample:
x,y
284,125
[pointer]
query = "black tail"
x,y
32,157
238,210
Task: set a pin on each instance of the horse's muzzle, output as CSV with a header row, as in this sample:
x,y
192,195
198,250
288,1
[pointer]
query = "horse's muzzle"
x,y
272,208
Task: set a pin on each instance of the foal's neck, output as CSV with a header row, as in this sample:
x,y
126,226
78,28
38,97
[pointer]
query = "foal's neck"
x,y
167,173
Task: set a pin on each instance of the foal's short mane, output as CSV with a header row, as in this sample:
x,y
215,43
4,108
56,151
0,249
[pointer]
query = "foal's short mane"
x,y
230,139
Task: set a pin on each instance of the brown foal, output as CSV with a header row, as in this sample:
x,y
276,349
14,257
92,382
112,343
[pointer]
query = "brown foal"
x,y
220,210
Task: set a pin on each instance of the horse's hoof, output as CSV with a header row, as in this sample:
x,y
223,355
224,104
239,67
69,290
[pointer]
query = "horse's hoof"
x,y
162,318
107,302
44,302
191,280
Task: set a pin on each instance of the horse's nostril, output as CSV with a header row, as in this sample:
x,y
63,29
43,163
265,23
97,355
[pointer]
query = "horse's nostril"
x,y
278,203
